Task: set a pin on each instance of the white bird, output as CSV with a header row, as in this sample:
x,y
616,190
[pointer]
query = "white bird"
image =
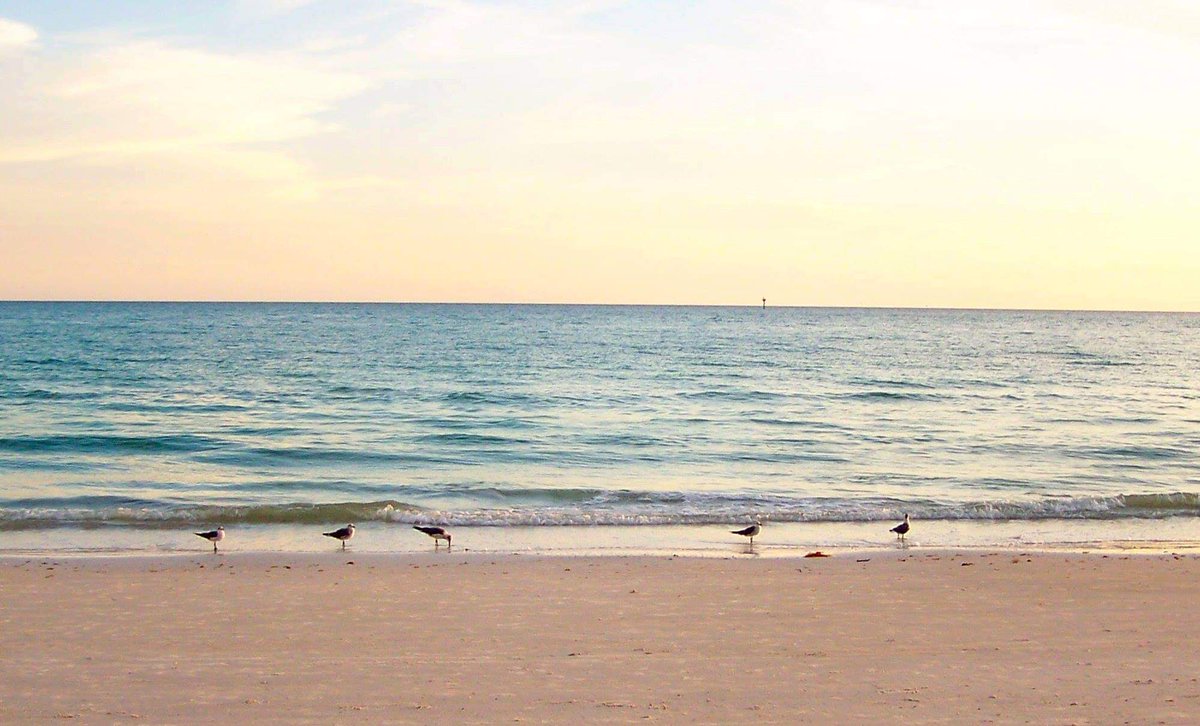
x,y
437,533
902,528
343,534
751,531
214,536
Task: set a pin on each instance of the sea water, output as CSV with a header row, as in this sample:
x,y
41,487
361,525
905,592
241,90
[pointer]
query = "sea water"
x,y
593,428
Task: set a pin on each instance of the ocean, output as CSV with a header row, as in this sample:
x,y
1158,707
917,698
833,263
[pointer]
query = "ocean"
x,y
123,426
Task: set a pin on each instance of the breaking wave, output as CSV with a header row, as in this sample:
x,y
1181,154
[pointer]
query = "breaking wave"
x,y
582,507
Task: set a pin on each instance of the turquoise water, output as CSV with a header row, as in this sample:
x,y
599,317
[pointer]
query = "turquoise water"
x,y
129,417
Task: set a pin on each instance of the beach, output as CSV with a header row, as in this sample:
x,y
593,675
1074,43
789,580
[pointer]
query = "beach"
x,y
928,636
497,361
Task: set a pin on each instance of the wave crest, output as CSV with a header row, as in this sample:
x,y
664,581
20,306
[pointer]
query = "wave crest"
x,y
575,507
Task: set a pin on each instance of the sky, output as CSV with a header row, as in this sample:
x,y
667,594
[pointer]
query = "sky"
x,y
910,153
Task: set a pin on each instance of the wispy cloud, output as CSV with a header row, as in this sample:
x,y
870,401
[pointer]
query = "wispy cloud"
x,y
462,32
119,102
266,8
636,127
16,37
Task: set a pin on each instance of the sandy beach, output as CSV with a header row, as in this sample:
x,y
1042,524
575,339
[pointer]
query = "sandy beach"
x,y
932,637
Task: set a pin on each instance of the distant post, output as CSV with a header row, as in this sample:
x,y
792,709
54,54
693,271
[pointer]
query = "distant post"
x,y
764,303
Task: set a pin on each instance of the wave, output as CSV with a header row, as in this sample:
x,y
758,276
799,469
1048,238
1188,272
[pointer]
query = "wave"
x,y
459,438
890,383
890,396
1083,358
501,507
309,455
153,407
482,398
1132,452
734,395
35,514
36,395
90,443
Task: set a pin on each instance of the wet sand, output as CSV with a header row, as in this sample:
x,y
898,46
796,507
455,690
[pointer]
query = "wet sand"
x,y
930,637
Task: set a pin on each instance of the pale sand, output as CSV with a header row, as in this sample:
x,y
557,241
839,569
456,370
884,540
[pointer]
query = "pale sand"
x,y
1042,638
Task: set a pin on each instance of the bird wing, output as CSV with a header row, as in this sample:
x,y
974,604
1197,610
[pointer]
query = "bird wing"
x,y
430,530
207,535
745,531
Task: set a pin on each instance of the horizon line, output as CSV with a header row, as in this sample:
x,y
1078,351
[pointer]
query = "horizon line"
x,y
757,304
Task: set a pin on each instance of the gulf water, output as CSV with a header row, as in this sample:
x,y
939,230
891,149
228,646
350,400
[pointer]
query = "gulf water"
x,y
123,425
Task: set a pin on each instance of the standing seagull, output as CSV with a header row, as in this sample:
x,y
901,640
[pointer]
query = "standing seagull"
x,y
751,531
343,534
437,533
214,536
901,529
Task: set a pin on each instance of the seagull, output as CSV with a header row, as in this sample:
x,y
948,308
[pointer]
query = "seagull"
x,y
751,531
901,529
437,533
214,536
343,534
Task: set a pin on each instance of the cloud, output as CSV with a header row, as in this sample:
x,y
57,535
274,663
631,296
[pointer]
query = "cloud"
x,y
441,130
458,32
124,103
207,97
16,37
391,110
266,8
846,102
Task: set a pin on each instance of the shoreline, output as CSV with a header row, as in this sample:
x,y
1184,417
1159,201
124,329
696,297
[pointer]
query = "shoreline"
x,y
140,562
1104,551
778,540
939,636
